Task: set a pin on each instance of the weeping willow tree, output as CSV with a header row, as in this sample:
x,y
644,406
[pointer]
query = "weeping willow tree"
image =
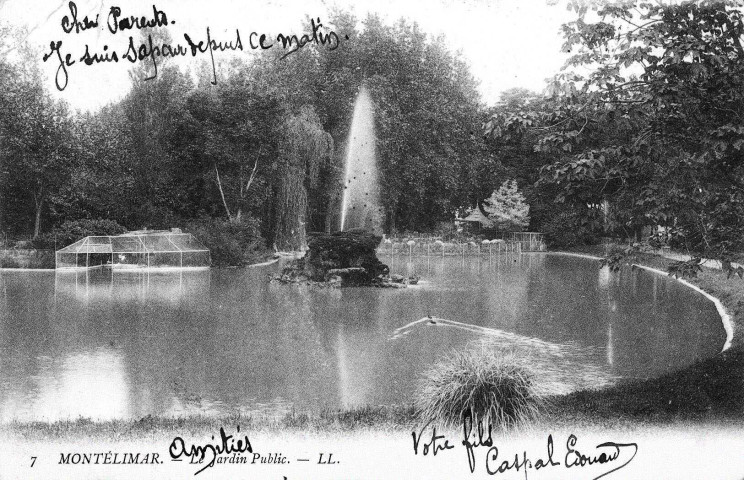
x,y
304,147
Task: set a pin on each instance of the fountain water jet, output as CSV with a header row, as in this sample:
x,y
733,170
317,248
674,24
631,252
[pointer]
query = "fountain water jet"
x,y
349,257
361,201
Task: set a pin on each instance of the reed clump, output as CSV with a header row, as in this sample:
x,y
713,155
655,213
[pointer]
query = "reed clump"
x,y
496,388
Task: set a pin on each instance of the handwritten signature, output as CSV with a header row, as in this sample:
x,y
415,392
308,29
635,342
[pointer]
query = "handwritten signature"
x,y
210,451
478,435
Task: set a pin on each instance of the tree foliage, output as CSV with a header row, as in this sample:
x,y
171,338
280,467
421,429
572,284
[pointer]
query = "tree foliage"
x,y
507,207
268,142
36,144
646,116
303,149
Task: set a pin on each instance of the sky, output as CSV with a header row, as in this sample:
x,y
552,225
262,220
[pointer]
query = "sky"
x,y
508,43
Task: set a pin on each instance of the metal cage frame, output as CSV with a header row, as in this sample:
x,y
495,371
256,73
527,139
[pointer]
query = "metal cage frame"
x,y
133,250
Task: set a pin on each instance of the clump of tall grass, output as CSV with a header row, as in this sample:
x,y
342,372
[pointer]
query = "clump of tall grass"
x,y
494,387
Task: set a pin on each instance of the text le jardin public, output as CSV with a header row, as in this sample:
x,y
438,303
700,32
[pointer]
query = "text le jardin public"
x,y
148,49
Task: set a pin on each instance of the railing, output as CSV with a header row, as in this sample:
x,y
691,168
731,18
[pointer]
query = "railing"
x,y
439,248
531,237
416,237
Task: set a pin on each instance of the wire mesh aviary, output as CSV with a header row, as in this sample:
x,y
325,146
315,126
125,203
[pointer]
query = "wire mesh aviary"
x,y
143,249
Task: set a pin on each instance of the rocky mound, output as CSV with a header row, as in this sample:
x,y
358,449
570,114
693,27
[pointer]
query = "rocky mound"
x,y
345,259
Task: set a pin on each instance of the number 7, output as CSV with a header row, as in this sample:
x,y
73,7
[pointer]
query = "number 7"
x,y
33,460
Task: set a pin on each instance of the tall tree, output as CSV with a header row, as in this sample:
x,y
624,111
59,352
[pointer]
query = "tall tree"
x,y
231,132
304,147
428,115
151,109
36,141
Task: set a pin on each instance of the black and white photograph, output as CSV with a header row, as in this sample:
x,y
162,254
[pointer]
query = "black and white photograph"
x,y
373,239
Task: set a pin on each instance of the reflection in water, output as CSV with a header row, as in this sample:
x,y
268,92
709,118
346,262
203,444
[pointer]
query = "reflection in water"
x,y
141,285
558,368
603,282
610,346
128,344
95,380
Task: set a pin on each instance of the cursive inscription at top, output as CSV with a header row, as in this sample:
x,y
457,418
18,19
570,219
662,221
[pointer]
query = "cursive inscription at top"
x,y
152,49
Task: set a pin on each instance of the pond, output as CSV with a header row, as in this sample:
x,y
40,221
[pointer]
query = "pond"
x,y
124,345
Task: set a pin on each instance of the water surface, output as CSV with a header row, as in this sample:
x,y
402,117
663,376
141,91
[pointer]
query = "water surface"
x,y
125,345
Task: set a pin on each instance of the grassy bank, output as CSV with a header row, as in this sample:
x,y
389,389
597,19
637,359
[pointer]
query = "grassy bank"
x,y
356,419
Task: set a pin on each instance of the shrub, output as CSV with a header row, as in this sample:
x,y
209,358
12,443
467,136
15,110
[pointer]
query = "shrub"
x,y
566,229
686,269
230,244
73,230
444,228
33,259
496,389
618,255
7,261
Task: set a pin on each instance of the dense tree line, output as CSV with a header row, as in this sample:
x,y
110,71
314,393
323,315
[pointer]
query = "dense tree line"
x,y
265,146
642,128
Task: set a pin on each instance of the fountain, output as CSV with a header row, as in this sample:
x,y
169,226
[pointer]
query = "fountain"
x,y
348,257
343,259
361,207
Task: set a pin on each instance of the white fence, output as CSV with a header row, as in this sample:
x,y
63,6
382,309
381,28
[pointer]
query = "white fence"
x,y
439,248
